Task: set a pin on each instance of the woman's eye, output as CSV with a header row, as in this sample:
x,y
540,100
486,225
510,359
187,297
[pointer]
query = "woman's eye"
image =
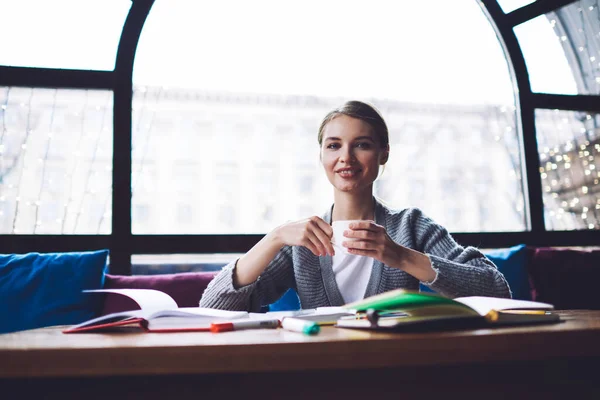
x,y
333,146
363,145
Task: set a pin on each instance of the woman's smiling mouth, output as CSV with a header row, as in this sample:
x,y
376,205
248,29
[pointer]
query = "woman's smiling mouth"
x,y
348,172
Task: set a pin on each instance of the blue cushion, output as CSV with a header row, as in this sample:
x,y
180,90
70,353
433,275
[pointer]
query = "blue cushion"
x,y
512,262
39,290
426,289
288,302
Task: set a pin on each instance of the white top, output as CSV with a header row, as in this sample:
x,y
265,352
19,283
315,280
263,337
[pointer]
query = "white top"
x,y
352,274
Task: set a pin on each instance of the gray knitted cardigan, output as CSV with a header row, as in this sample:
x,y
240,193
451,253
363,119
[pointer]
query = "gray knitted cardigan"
x,y
460,271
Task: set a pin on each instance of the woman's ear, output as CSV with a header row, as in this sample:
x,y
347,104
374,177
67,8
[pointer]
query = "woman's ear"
x,y
385,155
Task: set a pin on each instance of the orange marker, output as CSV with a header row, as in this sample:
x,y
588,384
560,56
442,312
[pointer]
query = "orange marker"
x,y
250,324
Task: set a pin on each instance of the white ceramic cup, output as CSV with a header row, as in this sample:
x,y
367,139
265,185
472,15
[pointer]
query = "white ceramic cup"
x,y
338,234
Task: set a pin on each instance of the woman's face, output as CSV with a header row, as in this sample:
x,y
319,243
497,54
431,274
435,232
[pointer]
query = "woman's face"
x,y
351,154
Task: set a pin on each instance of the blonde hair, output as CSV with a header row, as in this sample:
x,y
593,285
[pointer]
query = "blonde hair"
x,y
364,112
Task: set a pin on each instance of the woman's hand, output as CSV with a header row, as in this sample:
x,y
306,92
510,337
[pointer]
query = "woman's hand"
x,y
312,233
372,240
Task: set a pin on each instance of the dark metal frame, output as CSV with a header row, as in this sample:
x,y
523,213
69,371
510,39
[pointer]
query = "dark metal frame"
x,y
123,244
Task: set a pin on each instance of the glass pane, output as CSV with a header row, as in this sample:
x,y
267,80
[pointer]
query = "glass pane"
x,y
511,5
71,34
225,137
569,146
561,49
55,161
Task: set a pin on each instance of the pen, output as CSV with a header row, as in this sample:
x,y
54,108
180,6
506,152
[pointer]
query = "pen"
x,y
299,325
237,325
533,312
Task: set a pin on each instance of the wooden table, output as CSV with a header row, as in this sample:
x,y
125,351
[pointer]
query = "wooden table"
x,y
521,362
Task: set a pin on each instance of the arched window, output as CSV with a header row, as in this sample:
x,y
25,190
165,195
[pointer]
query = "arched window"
x,y
257,76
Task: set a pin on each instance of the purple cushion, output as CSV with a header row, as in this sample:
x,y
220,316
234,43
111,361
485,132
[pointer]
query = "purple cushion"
x,y
566,278
185,288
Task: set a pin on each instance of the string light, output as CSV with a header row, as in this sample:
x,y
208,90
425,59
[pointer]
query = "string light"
x,y
578,149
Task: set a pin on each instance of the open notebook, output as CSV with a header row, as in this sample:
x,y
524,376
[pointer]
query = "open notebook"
x,y
158,313
409,310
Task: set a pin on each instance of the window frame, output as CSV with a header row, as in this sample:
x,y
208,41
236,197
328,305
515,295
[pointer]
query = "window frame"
x,y
123,244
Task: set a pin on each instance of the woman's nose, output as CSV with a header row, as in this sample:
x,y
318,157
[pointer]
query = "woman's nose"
x,y
347,155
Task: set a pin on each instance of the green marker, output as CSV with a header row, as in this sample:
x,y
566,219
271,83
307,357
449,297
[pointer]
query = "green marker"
x,y
299,325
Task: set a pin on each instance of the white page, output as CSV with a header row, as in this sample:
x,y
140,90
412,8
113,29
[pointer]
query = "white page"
x,y
281,314
330,310
120,316
483,305
322,315
147,299
192,317
199,312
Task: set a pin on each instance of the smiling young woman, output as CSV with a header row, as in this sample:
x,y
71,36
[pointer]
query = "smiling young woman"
x,y
351,154
385,249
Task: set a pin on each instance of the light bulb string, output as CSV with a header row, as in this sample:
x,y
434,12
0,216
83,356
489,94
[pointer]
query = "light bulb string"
x,y
92,162
21,154
45,160
75,165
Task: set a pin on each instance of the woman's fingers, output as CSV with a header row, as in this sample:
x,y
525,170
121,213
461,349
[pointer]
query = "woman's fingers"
x,y
358,252
362,234
367,238
363,248
314,240
312,233
365,225
358,244
323,233
365,230
311,245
